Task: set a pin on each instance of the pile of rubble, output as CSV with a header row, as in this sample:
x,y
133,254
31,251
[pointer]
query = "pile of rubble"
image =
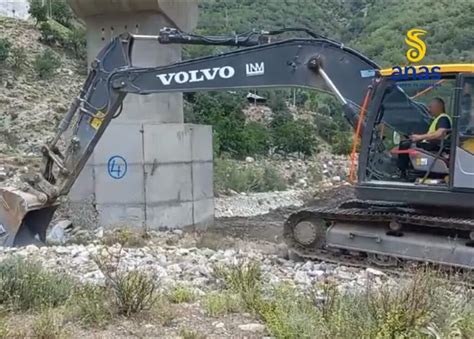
x,y
174,258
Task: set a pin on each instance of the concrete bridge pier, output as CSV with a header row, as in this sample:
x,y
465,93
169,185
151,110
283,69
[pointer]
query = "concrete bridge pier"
x,y
150,169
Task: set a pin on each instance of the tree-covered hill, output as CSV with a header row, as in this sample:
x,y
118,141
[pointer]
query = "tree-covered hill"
x,y
375,27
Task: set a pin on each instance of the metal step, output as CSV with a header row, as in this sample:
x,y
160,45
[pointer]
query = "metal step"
x,y
414,246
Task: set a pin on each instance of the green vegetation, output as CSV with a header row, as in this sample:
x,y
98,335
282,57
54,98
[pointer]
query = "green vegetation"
x,y
125,238
230,175
295,136
57,10
423,306
46,63
25,285
90,305
49,324
38,10
180,294
5,46
133,292
222,303
18,58
187,333
59,27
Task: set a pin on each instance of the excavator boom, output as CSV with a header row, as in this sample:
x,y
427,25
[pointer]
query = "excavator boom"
x,y
317,63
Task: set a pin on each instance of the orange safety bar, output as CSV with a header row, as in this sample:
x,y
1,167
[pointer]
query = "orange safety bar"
x,y
356,138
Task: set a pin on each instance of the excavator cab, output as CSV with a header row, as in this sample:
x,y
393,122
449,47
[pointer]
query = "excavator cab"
x,y
398,110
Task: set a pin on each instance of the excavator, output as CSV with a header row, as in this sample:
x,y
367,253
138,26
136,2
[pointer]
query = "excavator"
x,y
424,216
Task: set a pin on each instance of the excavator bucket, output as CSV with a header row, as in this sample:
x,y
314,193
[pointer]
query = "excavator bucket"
x,y
24,218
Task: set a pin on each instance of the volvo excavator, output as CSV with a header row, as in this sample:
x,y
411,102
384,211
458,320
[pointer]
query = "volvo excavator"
x,y
425,216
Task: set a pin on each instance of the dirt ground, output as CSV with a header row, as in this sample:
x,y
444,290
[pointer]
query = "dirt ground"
x,y
269,227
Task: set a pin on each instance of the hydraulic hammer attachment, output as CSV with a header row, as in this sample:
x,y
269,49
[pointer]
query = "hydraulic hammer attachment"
x,y
24,217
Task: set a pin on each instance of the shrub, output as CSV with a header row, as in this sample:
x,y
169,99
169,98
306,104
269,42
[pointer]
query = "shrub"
x,y
133,292
290,315
61,12
256,139
76,43
125,237
243,278
46,64
18,58
222,303
25,285
90,305
53,33
187,333
38,11
295,136
49,324
180,294
342,143
5,46
231,175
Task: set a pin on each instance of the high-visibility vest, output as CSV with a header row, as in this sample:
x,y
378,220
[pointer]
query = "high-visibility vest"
x,y
435,122
468,145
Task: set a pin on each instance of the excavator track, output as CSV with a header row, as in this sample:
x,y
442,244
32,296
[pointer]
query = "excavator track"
x,y
363,212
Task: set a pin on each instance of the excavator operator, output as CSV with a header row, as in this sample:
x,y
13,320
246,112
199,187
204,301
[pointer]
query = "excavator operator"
x,y
431,140
439,128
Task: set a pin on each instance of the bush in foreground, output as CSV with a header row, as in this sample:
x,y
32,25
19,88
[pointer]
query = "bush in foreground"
x,y
25,285
422,306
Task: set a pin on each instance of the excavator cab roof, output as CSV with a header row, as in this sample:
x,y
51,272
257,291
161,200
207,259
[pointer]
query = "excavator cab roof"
x,y
443,68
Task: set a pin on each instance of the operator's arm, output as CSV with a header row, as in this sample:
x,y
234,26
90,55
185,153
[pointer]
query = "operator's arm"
x,y
443,128
439,134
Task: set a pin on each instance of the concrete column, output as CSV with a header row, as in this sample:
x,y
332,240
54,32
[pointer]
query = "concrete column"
x,y
130,180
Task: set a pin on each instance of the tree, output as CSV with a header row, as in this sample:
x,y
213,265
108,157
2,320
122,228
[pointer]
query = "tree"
x,y
295,136
61,12
38,11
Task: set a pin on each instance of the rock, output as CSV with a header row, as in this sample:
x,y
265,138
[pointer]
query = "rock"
x,y
249,159
178,232
219,325
99,233
336,179
316,273
60,232
62,250
302,278
374,272
254,328
175,268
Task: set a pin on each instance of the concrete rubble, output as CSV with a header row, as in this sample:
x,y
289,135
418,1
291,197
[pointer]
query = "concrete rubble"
x,y
184,263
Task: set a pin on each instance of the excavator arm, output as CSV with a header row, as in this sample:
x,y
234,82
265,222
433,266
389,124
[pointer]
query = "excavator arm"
x,y
316,63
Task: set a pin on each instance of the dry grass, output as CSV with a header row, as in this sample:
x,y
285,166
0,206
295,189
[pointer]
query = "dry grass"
x,y
91,305
125,238
221,303
422,306
25,285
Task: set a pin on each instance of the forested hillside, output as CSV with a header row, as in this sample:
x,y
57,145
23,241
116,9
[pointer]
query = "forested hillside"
x,y
300,119
375,27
